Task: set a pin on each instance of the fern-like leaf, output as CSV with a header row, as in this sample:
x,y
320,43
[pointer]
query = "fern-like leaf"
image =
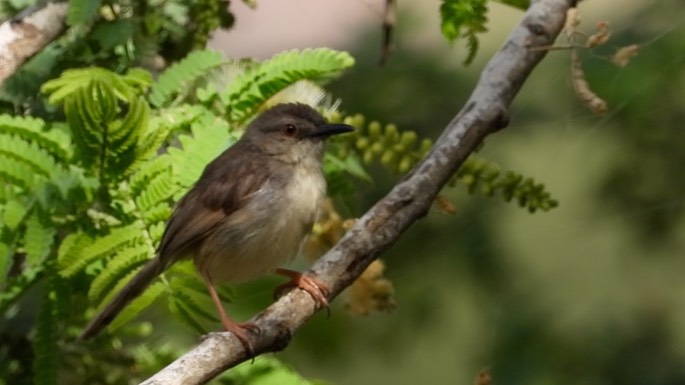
x,y
480,175
55,142
136,306
181,306
86,131
209,137
148,171
123,144
179,76
100,248
103,142
157,214
13,214
464,18
76,80
70,249
260,82
5,258
159,189
163,125
45,349
117,268
71,81
38,239
37,159
17,173
401,150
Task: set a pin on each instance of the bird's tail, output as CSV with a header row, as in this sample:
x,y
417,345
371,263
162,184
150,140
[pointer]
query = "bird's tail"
x,y
133,289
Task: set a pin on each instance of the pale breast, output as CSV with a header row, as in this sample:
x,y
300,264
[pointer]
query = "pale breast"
x,y
280,220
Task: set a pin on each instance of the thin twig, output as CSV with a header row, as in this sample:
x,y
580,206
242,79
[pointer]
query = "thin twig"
x,y
389,20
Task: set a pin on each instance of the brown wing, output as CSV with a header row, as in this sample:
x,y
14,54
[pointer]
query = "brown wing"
x,y
224,187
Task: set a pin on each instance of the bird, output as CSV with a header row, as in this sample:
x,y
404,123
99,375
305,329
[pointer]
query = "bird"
x,y
248,214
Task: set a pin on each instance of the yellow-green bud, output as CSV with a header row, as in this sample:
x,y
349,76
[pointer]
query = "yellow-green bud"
x,y
408,138
387,157
362,143
405,165
426,145
391,132
367,158
376,148
374,129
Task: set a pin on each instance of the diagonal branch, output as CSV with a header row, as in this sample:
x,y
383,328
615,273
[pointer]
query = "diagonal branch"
x,y
27,33
484,113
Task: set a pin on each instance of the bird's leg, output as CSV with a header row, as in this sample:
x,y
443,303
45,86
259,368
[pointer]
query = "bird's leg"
x,y
231,326
314,287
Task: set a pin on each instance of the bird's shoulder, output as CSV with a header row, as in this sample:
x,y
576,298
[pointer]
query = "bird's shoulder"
x,y
230,180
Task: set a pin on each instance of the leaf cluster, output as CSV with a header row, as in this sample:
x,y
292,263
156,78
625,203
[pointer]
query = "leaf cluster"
x,y
87,197
116,35
465,19
399,151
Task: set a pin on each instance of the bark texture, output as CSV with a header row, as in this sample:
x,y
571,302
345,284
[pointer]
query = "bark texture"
x,y
23,36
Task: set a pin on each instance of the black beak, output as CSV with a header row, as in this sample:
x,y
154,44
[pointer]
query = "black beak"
x,y
327,130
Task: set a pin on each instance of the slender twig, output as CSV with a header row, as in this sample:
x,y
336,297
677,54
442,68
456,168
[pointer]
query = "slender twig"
x,y
485,112
389,19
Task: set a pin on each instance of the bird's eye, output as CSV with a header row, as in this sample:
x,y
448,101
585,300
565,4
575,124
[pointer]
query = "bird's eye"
x,y
290,130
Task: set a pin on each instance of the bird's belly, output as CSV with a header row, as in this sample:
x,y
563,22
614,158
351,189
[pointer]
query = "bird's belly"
x,y
249,247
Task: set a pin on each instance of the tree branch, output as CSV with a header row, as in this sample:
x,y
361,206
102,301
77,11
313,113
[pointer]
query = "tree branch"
x,y
24,35
485,112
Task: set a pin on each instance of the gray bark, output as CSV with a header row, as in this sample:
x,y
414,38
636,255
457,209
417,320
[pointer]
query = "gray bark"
x,y
23,37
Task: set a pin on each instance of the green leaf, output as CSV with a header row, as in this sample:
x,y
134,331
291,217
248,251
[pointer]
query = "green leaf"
x,y
45,343
464,18
81,11
100,247
55,142
117,269
136,306
520,4
209,138
16,172
351,164
138,78
38,239
76,80
5,260
255,85
158,190
178,77
265,370
28,153
70,249
139,180
179,309
14,214
124,136
110,34
188,299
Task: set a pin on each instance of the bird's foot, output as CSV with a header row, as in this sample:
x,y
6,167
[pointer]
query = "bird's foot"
x,y
240,330
313,286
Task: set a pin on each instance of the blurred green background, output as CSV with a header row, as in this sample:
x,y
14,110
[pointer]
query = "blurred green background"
x,y
589,293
